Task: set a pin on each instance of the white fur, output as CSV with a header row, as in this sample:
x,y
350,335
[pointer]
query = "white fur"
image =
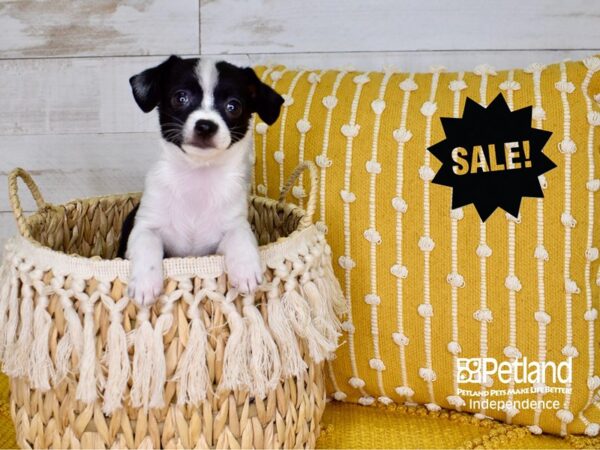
x,y
208,77
207,74
191,209
195,203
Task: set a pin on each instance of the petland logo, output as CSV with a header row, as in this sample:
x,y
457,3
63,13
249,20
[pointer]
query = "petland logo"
x,y
480,370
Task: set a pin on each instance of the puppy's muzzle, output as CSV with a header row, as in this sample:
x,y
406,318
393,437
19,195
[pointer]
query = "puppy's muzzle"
x,y
204,132
205,129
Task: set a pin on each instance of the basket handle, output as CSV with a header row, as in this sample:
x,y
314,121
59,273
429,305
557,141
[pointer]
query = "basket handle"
x,y
311,206
15,201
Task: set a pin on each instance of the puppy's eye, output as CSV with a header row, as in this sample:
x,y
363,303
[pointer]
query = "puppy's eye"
x,y
233,108
180,99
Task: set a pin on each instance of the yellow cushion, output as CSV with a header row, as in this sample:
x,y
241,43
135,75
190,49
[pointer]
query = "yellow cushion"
x,y
416,310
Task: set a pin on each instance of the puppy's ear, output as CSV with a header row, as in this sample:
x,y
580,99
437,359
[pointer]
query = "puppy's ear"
x,y
267,102
146,85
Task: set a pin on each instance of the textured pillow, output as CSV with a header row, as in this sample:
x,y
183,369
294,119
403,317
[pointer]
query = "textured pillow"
x,y
427,284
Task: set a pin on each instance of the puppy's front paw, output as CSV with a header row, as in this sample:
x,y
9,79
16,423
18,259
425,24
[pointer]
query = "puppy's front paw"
x,y
145,287
245,273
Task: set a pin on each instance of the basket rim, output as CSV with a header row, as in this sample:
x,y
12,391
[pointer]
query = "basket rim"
x,y
271,254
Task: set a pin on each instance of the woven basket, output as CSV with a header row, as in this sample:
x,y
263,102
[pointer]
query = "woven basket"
x,y
204,367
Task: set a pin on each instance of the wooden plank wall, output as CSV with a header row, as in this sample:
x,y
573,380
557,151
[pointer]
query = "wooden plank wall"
x,y
66,112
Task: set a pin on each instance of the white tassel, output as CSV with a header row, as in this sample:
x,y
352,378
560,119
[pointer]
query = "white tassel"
x,y
116,357
87,386
5,287
329,284
192,371
323,317
41,369
292,364
235,358
263,355
297,310
72,339
142,360
159,363
340,305
17,355
10,332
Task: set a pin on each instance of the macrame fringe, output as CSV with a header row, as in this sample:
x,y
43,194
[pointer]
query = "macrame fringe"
x,y
259,351
297,310
16,362
72,340
41,368
330,284
323,316
5,288
10,332
116,358
143,348
292,364
159,363
87,386
235,358
263,355
192,370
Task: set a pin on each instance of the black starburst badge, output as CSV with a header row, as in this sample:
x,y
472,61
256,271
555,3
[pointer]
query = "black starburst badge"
x,y
492,157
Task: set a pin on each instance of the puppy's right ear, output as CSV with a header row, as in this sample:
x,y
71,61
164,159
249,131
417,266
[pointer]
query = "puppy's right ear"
x,y
146,85
267,102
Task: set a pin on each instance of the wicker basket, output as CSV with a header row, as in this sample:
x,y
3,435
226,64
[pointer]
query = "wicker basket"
x,y
204,367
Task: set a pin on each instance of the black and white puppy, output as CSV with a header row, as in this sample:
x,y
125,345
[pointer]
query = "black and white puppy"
x,y
195,197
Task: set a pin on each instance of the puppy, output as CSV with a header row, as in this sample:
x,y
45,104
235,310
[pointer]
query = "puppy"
x,y
195,197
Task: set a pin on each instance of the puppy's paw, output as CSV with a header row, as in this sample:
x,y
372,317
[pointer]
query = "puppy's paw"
x,y
145,287
245,273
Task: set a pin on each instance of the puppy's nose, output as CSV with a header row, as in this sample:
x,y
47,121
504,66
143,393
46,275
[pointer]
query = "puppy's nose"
x,y
205,128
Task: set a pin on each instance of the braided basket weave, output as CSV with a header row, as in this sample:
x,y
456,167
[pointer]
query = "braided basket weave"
x,y
204,367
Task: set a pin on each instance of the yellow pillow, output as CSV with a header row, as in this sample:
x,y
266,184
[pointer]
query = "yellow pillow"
x,y
429,286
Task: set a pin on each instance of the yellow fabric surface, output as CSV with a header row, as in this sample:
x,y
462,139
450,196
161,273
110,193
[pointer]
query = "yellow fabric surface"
x,y
368,133
7,430
354,426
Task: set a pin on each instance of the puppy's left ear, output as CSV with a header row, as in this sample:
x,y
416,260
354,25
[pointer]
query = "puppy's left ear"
x,y
267,102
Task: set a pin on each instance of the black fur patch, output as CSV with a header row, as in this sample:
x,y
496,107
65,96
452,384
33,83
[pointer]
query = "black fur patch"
x,y
126,231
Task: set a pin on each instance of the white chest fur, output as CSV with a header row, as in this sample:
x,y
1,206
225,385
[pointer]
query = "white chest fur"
x,y
192,208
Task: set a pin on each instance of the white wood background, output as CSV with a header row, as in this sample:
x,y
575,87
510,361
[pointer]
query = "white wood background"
x,y
67,115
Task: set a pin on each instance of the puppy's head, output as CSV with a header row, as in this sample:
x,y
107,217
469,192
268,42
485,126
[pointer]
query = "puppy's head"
x,y
204,106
